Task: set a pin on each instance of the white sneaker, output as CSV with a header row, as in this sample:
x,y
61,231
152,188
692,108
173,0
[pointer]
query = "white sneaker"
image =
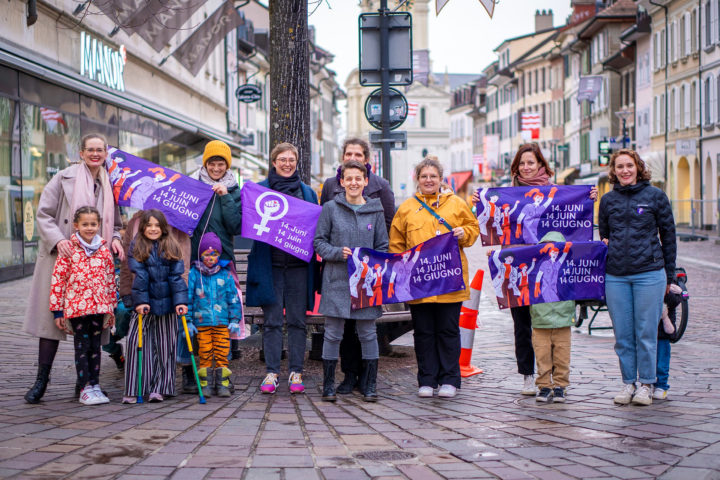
x,y
659,394
88,397
529,385
643,396
425,392
101,396
447,391
626,394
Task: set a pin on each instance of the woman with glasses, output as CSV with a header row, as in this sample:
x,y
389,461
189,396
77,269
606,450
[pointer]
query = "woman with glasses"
x,y
82,184
277,280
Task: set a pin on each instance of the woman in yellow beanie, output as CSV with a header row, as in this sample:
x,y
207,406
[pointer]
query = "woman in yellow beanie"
x,y
222,217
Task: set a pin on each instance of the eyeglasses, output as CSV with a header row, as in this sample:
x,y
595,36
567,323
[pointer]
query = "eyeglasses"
x,y
286,161
94,150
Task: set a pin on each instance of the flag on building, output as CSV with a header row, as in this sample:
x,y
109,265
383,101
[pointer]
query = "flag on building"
x,y
412,109
161,20
194,51
530,122
51,118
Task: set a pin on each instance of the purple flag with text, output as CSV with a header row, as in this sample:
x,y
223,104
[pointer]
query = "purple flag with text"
x,y
140,184
280,220
548,272
522,215
432,268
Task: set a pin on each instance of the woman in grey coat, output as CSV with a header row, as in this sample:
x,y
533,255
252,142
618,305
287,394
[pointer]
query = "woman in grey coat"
x,y
346,223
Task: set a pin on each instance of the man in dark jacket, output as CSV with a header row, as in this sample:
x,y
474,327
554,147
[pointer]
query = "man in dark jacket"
x,y
357,149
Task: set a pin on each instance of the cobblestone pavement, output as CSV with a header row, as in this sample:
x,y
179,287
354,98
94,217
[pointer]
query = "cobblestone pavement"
x,y
487,431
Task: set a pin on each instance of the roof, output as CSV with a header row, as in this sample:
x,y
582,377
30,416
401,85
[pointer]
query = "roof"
x,y
455,80
622,10
520,37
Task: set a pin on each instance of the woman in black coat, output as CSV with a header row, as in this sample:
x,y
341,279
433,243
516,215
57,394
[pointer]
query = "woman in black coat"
x,y
636,222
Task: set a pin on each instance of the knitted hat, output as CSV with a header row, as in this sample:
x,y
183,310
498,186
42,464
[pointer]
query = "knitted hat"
x,y
210,240
216,148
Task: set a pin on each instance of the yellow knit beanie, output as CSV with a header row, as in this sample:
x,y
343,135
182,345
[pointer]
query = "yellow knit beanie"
x,y
216,148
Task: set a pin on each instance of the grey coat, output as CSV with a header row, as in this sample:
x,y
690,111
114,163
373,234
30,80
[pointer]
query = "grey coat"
x,y
54,223
341,226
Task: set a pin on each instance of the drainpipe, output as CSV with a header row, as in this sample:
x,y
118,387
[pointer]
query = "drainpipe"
x,y
32,15
667,31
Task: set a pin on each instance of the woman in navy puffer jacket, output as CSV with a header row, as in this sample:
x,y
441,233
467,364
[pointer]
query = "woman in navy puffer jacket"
x,y
636,222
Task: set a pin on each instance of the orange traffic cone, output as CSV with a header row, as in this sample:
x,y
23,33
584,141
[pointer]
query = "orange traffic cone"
x,y
468,322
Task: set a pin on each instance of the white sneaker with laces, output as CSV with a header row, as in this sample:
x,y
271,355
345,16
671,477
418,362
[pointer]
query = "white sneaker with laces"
x,y
100,395
447,391
88,397
643,396
659,394
626,394
529,385
425,392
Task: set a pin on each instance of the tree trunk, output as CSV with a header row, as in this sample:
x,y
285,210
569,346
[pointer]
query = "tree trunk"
x,y
289,79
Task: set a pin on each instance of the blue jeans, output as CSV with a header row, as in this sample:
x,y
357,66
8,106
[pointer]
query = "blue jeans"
x,y
663,364
290,285
635,305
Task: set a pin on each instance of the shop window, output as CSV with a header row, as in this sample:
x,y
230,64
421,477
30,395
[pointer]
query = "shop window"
x,y
49,140
11,199
48,95
99,117
8,81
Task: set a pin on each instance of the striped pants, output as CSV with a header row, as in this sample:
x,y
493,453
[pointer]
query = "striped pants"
x,y
213,342
160,335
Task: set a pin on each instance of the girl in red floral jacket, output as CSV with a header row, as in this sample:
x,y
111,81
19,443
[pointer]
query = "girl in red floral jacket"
x,y
82,298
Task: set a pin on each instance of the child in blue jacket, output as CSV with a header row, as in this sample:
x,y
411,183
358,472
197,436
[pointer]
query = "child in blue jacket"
x,y
214,310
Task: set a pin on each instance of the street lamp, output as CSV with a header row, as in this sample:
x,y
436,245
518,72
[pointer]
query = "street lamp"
x,y
624,115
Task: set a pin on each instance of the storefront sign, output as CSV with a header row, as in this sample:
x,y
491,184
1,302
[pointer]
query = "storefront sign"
x,y
248,93
685,147
101,63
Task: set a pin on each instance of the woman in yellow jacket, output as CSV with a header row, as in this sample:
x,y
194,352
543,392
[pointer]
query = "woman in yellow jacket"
x,y
435,319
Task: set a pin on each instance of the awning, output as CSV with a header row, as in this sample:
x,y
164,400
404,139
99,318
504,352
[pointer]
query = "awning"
x,y
458,180
561,177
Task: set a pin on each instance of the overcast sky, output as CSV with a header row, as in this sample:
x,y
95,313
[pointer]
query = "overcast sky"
x,y
462,37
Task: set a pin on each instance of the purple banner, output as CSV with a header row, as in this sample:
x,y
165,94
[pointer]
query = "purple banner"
x,y
548,272
523,215
280,220
432,268
140,184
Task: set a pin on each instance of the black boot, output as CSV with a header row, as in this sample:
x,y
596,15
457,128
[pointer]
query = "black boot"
x,y
37,391
119,358
348,384
328,394
189,385
368,380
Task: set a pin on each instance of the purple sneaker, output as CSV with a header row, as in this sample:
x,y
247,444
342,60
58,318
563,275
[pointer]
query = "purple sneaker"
x,y
269,385
295,383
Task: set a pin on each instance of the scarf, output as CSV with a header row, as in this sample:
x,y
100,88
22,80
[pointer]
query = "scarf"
x,y
92,247
541,178
84,195
287,185
228,179
205,270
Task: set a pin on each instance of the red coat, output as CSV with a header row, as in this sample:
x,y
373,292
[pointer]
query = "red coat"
x,y
83,285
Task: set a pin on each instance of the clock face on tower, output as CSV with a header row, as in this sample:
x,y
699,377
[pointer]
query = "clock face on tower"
x,y
407,6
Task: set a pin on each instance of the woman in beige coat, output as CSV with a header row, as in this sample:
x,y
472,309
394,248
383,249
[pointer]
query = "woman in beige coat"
x,y
85,183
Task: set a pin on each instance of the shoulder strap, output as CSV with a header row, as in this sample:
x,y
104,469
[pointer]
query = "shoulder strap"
x,y
434,214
